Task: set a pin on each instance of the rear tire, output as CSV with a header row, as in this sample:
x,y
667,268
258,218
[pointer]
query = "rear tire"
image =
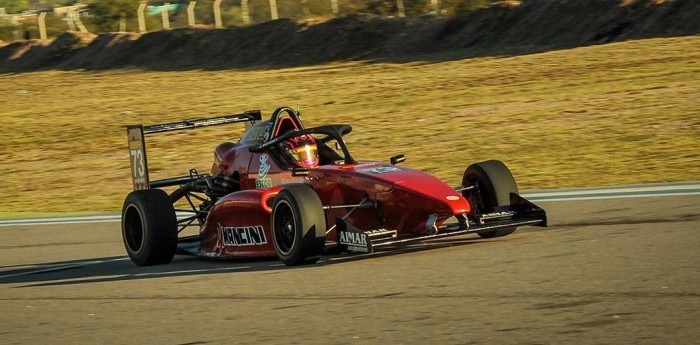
x,y
298,226
495,183
149,227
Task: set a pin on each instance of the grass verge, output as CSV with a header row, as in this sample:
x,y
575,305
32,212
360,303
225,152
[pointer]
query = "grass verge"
x,y
603,115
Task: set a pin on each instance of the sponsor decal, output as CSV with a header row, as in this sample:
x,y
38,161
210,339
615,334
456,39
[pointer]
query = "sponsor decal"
x,y
294,180
452,197
264,165
268,131
381,170
263,181
381,232
430,224
241,236
366,164
498,214
355,241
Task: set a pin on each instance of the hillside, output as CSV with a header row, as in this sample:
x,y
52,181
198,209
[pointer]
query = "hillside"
x,y
534,26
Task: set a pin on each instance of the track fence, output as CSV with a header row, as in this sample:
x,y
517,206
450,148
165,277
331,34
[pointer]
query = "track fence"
x,y
148,16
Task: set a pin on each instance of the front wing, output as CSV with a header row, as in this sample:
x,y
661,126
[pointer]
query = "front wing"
x,y
520,212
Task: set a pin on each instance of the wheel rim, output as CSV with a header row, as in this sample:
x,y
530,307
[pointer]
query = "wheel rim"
x,y
284,226
133,228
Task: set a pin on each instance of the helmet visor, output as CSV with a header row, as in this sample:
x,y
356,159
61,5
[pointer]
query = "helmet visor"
x,y
307,154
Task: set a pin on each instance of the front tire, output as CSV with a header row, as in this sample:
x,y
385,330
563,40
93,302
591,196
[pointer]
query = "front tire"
x,y
298,226
149,227
496,183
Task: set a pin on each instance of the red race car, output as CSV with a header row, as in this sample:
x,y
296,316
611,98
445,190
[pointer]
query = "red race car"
x,y
294,192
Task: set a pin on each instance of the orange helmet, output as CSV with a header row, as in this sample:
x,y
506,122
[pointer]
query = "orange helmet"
x,y
302,151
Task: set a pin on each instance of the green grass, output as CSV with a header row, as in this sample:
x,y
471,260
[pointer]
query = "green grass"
x,y
611,114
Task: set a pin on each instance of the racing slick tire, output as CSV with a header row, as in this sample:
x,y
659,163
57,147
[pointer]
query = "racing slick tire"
x,y
495,183
298,226
149,227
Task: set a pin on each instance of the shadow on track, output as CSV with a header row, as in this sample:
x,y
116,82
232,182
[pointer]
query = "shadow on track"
x,y
120,268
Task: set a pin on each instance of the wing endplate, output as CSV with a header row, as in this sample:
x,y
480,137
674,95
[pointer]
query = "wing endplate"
x,y
137,155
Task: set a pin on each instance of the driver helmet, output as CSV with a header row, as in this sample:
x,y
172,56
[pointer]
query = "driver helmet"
x,y
302,151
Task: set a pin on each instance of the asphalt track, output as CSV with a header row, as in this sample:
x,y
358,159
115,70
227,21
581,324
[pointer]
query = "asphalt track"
x,y
606,271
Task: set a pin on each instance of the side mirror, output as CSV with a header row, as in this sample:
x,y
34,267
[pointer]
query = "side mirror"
x,y
400,158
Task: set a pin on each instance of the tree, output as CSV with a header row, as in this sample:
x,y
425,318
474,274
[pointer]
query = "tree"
x,y
14,6
108,12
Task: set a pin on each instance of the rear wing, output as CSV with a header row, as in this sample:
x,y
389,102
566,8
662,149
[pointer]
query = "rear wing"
x,y
137,143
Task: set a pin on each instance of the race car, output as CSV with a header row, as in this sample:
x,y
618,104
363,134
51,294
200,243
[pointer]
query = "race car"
x,y
296,193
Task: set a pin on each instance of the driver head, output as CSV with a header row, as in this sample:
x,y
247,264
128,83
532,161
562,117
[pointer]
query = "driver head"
x,y
302,151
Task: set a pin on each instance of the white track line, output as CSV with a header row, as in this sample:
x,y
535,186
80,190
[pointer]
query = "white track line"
x,y
632,191
636,191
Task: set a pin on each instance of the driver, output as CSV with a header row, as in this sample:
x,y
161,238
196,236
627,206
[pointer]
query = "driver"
x,y
301,151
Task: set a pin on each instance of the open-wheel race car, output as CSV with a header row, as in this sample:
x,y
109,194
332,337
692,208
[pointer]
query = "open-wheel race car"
x,y
294,192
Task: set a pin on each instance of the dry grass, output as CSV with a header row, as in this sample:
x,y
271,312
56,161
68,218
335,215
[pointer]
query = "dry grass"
x,y
613,114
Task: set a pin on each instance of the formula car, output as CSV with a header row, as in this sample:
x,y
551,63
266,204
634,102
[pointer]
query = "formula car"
x,y
293,192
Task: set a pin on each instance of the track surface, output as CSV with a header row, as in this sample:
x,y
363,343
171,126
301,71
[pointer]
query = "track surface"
x,y
612,271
